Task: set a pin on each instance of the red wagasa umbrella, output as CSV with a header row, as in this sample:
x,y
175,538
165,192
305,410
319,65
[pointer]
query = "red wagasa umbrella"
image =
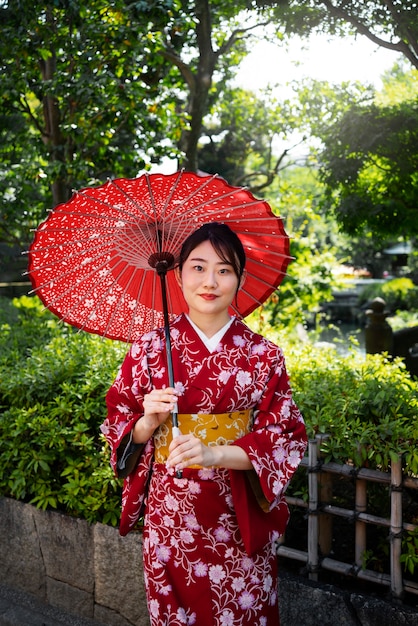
x,y
102,261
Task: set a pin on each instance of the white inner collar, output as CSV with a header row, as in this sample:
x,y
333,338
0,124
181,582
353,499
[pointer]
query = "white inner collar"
x,y
211,342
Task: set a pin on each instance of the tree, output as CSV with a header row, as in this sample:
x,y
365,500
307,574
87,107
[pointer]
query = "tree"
x,y
391,24
370,165
399,85
80,102
205,41
368,155
247,138
104,89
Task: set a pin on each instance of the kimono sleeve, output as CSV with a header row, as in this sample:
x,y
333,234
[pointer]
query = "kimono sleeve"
x,y
124,407
275,447
278,439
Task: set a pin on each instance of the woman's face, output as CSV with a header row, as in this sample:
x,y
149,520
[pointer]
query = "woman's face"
x,y
209,283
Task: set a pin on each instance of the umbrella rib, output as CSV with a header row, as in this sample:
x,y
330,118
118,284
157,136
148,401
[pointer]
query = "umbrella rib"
x,y
220,212
109,230
57,246
143,213
262,281
253,298
119,302
179,207
280,255
216,199
134,203
257,218
100,216
164,208
204,184
51,281
272,251
123,213
98,276
107,233
171,243
95,308
252,233
68,272
98,242
119,209
137,303
235,310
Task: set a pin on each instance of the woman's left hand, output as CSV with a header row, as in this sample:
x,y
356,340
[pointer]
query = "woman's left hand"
x,y
186,450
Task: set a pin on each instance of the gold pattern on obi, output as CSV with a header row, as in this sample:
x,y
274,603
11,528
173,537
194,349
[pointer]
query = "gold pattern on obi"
x,y
213,429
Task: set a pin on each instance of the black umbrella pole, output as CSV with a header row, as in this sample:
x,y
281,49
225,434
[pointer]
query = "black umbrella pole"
x,y
176,431
162,275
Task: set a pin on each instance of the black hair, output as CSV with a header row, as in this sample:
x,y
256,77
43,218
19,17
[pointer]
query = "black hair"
x,y
223,239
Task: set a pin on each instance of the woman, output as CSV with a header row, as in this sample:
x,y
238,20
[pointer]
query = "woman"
x,y
213,496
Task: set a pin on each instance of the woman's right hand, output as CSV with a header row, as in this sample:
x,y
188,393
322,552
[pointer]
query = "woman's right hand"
x,y
158,404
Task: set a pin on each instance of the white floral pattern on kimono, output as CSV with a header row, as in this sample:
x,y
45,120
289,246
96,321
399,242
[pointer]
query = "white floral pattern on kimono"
x,y
199,567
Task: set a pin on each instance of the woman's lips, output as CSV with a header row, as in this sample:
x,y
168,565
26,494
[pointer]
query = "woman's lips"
x,y
208,296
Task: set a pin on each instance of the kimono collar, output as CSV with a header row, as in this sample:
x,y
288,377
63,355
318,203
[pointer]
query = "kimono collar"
x,y
211,342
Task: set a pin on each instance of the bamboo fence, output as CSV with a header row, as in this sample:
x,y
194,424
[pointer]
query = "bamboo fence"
x,y
320,512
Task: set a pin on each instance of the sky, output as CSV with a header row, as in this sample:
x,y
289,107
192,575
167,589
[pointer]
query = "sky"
x,y
336,61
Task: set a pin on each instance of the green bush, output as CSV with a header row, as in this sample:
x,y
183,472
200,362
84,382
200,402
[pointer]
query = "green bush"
x,y
368,405
53,381
399,294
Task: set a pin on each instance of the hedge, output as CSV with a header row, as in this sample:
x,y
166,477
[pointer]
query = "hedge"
x,y
53,381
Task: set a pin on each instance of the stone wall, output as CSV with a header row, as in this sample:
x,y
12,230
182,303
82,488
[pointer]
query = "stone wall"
x,y
92,572
88,570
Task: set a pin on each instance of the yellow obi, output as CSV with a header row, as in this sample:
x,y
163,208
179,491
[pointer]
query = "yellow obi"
x,y
213,429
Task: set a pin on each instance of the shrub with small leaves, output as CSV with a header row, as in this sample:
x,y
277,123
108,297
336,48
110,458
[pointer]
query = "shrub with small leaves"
x,y
53,382
367,404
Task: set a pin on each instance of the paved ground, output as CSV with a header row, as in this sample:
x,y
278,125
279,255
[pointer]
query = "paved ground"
x,y
20,609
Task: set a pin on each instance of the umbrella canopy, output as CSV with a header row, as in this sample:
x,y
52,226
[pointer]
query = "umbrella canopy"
x,y
97,260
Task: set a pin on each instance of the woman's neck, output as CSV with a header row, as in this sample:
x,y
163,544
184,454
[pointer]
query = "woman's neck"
x,y
209,326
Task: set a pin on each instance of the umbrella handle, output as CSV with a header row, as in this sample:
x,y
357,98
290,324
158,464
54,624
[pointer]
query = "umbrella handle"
x,y
176,431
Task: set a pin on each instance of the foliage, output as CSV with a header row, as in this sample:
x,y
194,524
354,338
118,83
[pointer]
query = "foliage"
x,y
53,382
370,165
79,103
391,25
367,155
403,319
314,242
367,405
398,293
309,282
399,85
410,555
240,136
97,90
107,89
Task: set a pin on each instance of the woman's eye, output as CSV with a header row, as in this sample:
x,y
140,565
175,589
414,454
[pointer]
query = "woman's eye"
x,y
198,268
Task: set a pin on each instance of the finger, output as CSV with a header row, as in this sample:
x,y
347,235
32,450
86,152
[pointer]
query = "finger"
x,y
178,443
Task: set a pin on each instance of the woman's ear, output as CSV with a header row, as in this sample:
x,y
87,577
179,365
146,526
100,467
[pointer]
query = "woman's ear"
x,y
177,273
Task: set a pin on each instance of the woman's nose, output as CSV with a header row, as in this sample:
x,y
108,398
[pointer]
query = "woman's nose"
x,y
210,280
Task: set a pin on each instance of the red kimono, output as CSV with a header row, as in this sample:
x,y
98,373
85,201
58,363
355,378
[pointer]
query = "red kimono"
x,y
209,556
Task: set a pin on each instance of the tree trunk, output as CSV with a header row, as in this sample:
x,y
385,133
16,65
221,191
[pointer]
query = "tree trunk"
x,y
51,135
199,90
